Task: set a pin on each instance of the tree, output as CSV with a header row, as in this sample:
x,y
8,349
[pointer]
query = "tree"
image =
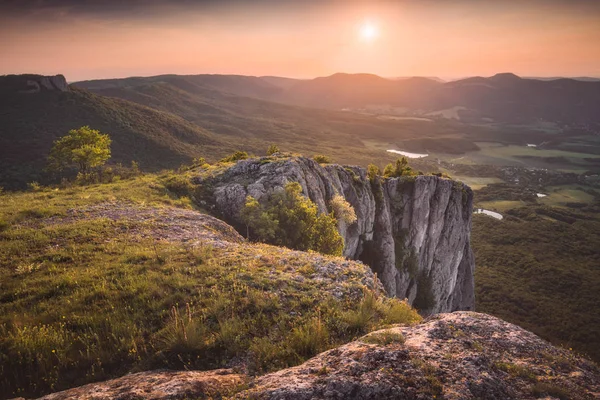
x,y
264,226
272,150
290,219
82,148
399,168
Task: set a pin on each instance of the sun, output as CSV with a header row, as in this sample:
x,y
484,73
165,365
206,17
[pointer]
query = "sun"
x,y
368,31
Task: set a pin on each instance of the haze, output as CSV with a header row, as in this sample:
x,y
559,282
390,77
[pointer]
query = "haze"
x,y
448,39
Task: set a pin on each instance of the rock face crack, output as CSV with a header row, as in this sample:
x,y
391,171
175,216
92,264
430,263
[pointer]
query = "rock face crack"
x,y
426,218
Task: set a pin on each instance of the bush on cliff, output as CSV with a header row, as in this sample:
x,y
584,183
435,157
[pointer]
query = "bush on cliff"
x,y
290,219
399,168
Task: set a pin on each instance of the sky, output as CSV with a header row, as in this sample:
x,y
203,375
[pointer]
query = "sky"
x,y
87,39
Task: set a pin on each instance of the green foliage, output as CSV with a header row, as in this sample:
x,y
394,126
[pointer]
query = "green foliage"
x,y
264,225
238,155
272,150
200,162
88,299
540,272
83,148
399,168
290,219
342,210
321,159
373,172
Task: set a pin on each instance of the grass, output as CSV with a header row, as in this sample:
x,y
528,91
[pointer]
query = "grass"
x,y
515,370
384,338
543,389
86,299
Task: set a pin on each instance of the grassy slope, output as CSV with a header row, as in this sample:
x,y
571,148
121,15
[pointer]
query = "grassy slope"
x,y
538,268
87,298
29,123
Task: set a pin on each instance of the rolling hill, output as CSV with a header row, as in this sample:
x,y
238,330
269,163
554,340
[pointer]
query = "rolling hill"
x,y
502,98
31,119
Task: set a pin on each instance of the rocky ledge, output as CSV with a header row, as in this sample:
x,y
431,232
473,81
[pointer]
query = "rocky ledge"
x,y
462,355
413,231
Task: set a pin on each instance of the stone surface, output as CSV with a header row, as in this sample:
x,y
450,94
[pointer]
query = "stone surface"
x,y
13,84
461,355
414,232
154,385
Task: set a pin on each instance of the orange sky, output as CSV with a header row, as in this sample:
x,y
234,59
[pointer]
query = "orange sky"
x,y
427,37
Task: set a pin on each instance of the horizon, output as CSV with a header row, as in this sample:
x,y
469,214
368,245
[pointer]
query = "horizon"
x,y
433,38
442,79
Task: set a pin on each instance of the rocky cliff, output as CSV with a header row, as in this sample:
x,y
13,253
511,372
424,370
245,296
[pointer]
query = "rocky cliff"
x,y
463,355
414,232
12,84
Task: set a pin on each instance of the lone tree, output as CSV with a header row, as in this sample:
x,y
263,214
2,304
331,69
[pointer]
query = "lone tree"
x,y
84,148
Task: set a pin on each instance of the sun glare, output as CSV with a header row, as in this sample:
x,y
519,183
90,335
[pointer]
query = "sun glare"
x,y
368,31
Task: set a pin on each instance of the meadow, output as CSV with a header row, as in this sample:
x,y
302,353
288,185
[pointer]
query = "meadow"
x,y
87,296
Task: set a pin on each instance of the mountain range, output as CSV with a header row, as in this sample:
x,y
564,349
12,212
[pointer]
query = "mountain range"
x,y
504,97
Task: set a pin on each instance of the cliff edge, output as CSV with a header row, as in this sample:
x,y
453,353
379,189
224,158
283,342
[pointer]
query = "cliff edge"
x,y
413,231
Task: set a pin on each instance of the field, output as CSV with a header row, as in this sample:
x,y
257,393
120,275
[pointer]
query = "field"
x,y
561,195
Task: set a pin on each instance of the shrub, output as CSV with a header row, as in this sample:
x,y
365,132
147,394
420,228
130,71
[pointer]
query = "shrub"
x,y
272,150
342,210
373,172
321,159
290,219
399,168
400,312
238,155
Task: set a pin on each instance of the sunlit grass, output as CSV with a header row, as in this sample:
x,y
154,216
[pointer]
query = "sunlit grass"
x,y
88,298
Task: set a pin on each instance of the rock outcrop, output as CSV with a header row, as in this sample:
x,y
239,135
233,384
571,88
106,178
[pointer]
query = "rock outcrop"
x,y
13,84
463,355
414,232
159,385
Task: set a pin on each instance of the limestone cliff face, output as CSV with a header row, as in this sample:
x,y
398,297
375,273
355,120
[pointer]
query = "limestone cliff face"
x,y
414,232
